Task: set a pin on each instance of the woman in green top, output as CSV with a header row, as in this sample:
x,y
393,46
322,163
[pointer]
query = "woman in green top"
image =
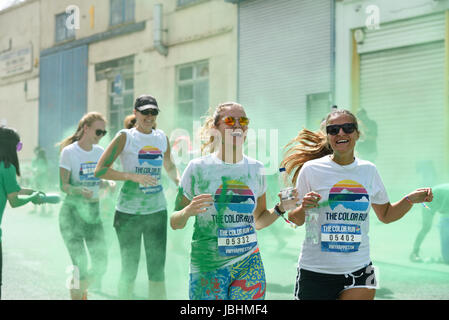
x,y
9,188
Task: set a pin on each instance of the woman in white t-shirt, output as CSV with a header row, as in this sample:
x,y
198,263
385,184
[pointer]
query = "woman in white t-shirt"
x,y
141,210
79,219
336,191
225,193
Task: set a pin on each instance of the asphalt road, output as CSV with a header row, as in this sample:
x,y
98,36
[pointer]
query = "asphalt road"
x,y
35,260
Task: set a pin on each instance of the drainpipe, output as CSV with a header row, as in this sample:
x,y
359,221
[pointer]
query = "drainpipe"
x,y
333,44
158,30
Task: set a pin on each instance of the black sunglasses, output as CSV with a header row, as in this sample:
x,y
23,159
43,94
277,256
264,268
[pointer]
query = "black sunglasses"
x,y
100,132
153,112
334,129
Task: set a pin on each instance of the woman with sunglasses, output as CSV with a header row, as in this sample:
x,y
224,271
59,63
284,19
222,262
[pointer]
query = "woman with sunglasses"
x,y
225,193
141,211
10,190
336,190
79,218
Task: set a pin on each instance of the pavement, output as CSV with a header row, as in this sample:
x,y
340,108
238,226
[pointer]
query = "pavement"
x,y
36,263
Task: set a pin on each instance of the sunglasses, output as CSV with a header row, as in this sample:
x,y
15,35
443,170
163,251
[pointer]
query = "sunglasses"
x,y
19,146
230,121
100,132
153,112
334,129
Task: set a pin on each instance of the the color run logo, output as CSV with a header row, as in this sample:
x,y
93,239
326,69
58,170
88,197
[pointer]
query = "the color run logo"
x,y
150,162
151,156
236,197
348,195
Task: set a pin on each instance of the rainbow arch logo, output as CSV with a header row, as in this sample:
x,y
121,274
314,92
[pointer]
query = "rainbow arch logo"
x,y
236,196
150,155
349,195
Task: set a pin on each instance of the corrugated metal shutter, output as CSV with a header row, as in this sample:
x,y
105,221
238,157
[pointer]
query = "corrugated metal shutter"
x,y
402,89
284,55
63,96
424,29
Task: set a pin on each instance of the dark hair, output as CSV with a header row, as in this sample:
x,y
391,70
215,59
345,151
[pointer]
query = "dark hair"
x,y
9,138
309,145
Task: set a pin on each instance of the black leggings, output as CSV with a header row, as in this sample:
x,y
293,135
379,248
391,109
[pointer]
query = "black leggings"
x,y
130,229
79,224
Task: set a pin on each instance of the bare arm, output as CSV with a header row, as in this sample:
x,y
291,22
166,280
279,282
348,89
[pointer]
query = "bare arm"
x,y
298,215
104,168
15,201
169,166
388,212
262,216
186,208
64,184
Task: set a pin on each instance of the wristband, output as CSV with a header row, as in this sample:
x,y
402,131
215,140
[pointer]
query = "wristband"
x,y
409,201
277,210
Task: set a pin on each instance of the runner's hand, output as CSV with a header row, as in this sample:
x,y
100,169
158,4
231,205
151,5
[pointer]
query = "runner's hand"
x,y
288,204
144,179
37,198
421,195
86,193
310,200
199,204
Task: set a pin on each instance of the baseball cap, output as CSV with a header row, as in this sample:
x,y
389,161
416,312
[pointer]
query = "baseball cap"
x,y
145,102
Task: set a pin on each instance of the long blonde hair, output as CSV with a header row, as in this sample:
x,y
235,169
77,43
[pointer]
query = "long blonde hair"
x,y
207,137
309,145
88,119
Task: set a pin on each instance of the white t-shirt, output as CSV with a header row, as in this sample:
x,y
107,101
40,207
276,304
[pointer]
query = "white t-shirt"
x,y
142,154
225,233
337,239
81,164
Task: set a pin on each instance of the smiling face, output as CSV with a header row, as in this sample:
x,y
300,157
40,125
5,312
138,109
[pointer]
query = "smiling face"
x,y
342,143
145,122
90,131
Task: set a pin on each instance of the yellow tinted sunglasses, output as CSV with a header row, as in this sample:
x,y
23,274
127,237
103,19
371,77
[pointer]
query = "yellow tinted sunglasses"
x,y
230,121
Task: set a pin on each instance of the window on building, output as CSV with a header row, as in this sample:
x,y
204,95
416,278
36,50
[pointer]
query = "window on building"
x,y
120,105
182,3
63,33
192,92
122,11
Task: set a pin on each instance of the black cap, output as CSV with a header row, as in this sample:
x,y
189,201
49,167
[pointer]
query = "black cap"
x,y
145,102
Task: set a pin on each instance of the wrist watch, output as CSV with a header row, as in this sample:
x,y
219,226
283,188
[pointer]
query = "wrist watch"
x,y
277,210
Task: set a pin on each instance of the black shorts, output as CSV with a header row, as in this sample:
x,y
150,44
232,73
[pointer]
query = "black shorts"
x,y
322,286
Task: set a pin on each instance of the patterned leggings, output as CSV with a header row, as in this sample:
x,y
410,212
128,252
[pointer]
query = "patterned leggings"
x,y
244,280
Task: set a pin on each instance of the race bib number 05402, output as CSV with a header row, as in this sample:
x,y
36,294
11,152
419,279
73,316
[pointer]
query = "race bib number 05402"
x,y
340,237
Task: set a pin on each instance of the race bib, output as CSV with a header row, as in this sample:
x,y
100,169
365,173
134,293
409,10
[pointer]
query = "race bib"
x,y
150,162
88,179
236,241
340,237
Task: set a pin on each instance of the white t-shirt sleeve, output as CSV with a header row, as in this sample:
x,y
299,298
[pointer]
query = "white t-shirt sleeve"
x,y
186,181
379,194
64,160
302,184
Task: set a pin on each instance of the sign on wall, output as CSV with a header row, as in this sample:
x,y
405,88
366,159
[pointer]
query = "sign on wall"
x,y
16,61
